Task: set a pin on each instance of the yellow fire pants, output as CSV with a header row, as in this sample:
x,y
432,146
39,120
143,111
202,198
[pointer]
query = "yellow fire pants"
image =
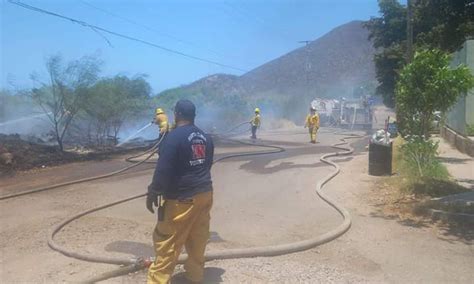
x,y
186,223
312,133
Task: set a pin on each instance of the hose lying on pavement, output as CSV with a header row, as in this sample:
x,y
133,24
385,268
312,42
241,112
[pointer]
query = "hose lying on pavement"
x,y
133,261
131,159
150,151
228,132
134,264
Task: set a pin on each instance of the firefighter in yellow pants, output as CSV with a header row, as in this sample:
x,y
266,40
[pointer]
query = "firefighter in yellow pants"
x,y
255,123
161,119
312,122
185,224
183,178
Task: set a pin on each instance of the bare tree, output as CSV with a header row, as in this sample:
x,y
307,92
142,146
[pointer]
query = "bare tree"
x,y
63,96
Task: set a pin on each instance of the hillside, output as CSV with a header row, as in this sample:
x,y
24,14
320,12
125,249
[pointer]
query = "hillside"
x,y
330,66
338,60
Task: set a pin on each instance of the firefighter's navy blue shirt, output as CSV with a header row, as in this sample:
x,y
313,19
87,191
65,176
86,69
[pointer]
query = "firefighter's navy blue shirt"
x,y
184,165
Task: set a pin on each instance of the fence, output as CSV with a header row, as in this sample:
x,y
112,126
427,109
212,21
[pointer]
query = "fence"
x,y
462,113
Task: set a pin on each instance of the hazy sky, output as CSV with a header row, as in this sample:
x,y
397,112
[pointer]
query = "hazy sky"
x,y
244,34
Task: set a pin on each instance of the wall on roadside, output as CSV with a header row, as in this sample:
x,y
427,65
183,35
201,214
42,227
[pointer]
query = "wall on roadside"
x,y
463,144
462,112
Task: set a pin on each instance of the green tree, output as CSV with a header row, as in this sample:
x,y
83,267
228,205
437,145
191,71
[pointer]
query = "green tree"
x,y
426,85
112,102
63,95
440,24
443,24
388,33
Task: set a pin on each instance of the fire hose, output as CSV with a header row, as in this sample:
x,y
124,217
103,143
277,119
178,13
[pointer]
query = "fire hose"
x,y
152,151
128,261
134,264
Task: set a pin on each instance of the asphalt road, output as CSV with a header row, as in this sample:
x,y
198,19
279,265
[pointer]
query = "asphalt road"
x,y
259,200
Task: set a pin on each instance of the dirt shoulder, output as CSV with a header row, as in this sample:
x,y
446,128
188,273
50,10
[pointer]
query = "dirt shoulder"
x,y
18,155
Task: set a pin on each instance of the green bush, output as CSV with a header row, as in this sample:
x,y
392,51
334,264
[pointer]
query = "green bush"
x,y
470,129
426,85
419,158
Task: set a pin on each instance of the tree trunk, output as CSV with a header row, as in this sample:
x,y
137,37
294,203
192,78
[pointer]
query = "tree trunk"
x,y
60,143
58,137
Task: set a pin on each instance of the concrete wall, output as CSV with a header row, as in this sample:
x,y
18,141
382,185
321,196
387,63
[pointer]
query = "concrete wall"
x,y
462,113
463,144
470,95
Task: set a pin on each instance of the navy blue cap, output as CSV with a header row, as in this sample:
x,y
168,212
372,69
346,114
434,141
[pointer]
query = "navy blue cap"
x,y
186,108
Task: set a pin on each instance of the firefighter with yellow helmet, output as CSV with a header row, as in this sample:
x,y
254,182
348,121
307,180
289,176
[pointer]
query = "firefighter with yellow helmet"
x,y
255,123
312,122
161,119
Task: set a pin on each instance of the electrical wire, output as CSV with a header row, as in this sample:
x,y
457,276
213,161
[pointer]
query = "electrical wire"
x,y
117,34
133,22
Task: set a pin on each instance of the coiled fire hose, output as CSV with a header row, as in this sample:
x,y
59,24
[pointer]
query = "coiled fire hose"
x,y
134,264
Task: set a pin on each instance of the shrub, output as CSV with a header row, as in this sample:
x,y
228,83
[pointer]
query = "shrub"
x,y
419,157
426,85
470,129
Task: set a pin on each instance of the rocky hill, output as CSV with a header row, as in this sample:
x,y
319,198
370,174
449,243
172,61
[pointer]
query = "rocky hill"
x,y
338,60
330,66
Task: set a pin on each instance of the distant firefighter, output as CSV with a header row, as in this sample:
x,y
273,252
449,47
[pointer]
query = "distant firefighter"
x,y
312,122
255,122
161,120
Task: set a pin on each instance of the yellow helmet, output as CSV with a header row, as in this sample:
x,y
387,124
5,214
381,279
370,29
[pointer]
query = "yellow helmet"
x,y
159,111
257,110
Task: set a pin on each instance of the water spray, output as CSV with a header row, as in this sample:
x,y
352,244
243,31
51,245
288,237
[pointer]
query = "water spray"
x,y
134,134
24,118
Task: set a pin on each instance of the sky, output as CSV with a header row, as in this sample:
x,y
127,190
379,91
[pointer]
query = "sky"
x,y
240,34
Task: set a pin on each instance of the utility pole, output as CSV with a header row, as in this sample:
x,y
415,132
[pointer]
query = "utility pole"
x,y
307,66
409,30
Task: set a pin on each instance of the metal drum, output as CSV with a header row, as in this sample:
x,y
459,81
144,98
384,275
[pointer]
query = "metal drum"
x,y
380,159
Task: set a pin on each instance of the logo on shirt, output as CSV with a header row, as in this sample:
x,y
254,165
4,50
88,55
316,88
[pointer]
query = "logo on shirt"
x,y
199,151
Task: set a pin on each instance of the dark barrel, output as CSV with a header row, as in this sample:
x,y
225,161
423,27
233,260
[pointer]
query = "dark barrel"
x,y
380,159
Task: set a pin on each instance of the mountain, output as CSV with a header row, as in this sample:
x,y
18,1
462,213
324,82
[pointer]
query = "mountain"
x,y
331,66
340,58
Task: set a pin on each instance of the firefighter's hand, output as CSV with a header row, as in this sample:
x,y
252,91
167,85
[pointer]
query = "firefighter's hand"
x,y
151,199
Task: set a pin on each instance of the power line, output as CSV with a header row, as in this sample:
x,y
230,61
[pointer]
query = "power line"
x,y
148,27
97,28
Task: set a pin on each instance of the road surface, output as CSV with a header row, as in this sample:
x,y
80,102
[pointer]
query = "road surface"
x,y
259,200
